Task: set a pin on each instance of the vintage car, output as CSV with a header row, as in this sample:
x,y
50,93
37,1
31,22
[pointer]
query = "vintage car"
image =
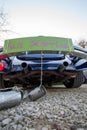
x,y
48,60
39,62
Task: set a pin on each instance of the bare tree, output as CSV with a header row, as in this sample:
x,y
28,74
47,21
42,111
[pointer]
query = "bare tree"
x,y
4,26
3,20
82,43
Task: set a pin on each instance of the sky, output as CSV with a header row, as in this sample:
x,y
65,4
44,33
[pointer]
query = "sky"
x,y
60,18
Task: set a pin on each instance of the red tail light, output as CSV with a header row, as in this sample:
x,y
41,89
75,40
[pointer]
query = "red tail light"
x,y
2,66
2,57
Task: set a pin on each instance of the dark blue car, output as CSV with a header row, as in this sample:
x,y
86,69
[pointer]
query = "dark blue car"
x,y
30,68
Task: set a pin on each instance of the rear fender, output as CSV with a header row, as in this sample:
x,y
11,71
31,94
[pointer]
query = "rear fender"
x,y
81,64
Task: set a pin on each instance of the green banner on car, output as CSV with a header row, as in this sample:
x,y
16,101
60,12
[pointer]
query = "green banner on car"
x,y
39,43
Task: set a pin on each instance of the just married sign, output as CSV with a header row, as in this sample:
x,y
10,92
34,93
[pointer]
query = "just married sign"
x,y
39,43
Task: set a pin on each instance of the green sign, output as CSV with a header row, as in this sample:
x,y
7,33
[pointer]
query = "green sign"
x,y
40,43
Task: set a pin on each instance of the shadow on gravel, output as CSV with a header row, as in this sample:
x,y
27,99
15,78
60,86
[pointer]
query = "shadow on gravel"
x,y
82,88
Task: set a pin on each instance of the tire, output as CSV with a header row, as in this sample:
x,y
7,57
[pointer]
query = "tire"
x,y
1,82
75,82
85,75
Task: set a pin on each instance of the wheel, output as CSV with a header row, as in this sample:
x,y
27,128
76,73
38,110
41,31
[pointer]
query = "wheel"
x,y
5,84
85,75
75,82
1,82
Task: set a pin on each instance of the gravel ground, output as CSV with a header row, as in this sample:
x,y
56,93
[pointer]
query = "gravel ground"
x,y
59,109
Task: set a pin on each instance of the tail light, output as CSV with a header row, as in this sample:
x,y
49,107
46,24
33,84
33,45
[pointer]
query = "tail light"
x,y
2,57
2,66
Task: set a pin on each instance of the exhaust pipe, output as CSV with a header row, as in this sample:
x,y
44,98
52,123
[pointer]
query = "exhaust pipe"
x,y
25,67
63,66
10,98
